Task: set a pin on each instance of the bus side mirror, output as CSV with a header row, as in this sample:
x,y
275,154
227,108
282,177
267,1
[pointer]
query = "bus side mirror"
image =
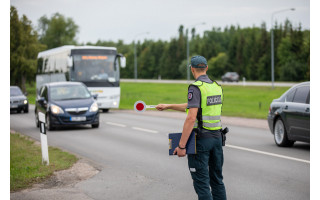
x,y
123,62
70,62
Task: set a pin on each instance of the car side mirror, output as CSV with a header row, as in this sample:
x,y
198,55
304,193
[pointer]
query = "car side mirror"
x,y
95,96
26,94
42,101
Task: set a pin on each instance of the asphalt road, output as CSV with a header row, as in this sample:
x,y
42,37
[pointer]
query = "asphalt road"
x,y
132,152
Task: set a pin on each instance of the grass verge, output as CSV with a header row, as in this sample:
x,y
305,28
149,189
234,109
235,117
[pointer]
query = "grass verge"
x,y
26,162
31,90
239,101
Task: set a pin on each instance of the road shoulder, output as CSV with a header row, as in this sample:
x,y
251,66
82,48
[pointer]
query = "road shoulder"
x,y
61,185
232,121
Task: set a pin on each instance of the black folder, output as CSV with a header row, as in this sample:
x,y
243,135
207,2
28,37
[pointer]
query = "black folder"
x,y
174,139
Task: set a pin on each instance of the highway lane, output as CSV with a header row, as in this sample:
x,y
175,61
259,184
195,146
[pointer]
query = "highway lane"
x,y
132,152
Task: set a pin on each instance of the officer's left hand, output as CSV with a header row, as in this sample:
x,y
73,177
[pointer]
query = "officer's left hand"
x,y
180,152
161,107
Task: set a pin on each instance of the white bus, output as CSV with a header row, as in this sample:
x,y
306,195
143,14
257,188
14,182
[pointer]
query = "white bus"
x,y
96,67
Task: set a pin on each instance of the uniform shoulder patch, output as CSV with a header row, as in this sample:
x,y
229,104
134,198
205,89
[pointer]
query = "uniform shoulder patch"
x,y
190,95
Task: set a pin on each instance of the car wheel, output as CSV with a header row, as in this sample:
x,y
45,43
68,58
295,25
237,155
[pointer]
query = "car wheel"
x,y
48,123
95,125
37,119
26,110
105,110
280,135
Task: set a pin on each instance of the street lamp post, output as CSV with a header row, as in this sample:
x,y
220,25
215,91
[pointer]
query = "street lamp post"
x,y
188,68
272,43
135,54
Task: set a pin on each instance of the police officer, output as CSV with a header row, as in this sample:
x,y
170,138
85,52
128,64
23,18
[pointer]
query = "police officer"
x,y
204,110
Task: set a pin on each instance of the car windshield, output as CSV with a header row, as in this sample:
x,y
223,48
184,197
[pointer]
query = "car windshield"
x,y
68,92
15,91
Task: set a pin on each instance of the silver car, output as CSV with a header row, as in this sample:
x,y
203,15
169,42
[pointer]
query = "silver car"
x,y
18,100
230,77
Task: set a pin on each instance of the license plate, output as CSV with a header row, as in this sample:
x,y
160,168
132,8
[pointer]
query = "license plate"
x,y
13,106
77,119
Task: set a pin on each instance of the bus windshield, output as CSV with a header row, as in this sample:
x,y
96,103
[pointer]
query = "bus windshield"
x,y
94,68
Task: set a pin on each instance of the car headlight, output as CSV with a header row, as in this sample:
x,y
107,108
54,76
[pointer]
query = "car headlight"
x,y
25,101
56,109
94,107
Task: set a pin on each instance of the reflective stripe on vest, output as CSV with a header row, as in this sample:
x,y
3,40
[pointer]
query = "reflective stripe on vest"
x,y
211,117
211,125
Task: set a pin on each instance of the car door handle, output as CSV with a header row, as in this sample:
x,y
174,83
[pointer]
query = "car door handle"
x,y
307,109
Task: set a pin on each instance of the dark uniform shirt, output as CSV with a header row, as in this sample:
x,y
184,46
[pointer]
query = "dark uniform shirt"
x,y
194,94
194,100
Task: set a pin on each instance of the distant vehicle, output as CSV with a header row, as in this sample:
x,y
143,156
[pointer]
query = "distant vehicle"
x,y
97,67
230,77
18,100
65,104
289,116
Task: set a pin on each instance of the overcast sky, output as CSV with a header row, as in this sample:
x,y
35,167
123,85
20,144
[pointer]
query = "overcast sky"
x,y
126,19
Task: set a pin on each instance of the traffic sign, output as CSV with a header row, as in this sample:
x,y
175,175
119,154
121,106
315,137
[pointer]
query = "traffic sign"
x,y
140,106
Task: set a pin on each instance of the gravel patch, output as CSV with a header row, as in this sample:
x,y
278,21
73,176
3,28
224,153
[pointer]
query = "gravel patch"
x,y
61,185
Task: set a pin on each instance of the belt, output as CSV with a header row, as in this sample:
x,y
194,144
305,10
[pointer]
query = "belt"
x,y
203,133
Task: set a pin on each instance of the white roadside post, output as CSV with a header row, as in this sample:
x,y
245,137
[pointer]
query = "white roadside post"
x,y
43,138
244,81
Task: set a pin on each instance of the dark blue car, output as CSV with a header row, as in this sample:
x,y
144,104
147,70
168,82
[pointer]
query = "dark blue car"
x,y
66,104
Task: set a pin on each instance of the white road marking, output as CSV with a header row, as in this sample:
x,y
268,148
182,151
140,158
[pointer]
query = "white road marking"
x,y
116,124
269,154
145,130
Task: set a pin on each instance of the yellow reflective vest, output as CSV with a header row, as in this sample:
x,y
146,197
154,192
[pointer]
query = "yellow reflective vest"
x,y
209,115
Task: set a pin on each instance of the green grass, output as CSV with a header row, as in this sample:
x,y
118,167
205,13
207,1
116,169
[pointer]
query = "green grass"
x,y
240,101
250,102
31,90
26,162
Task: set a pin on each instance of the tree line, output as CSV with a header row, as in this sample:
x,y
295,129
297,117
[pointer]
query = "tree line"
x,y
243,50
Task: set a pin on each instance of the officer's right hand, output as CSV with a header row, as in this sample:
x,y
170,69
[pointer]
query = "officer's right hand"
x,y
162,107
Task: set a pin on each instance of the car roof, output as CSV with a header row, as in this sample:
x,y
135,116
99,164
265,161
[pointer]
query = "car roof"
x,y
293,87
14,86
63,83
301,84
